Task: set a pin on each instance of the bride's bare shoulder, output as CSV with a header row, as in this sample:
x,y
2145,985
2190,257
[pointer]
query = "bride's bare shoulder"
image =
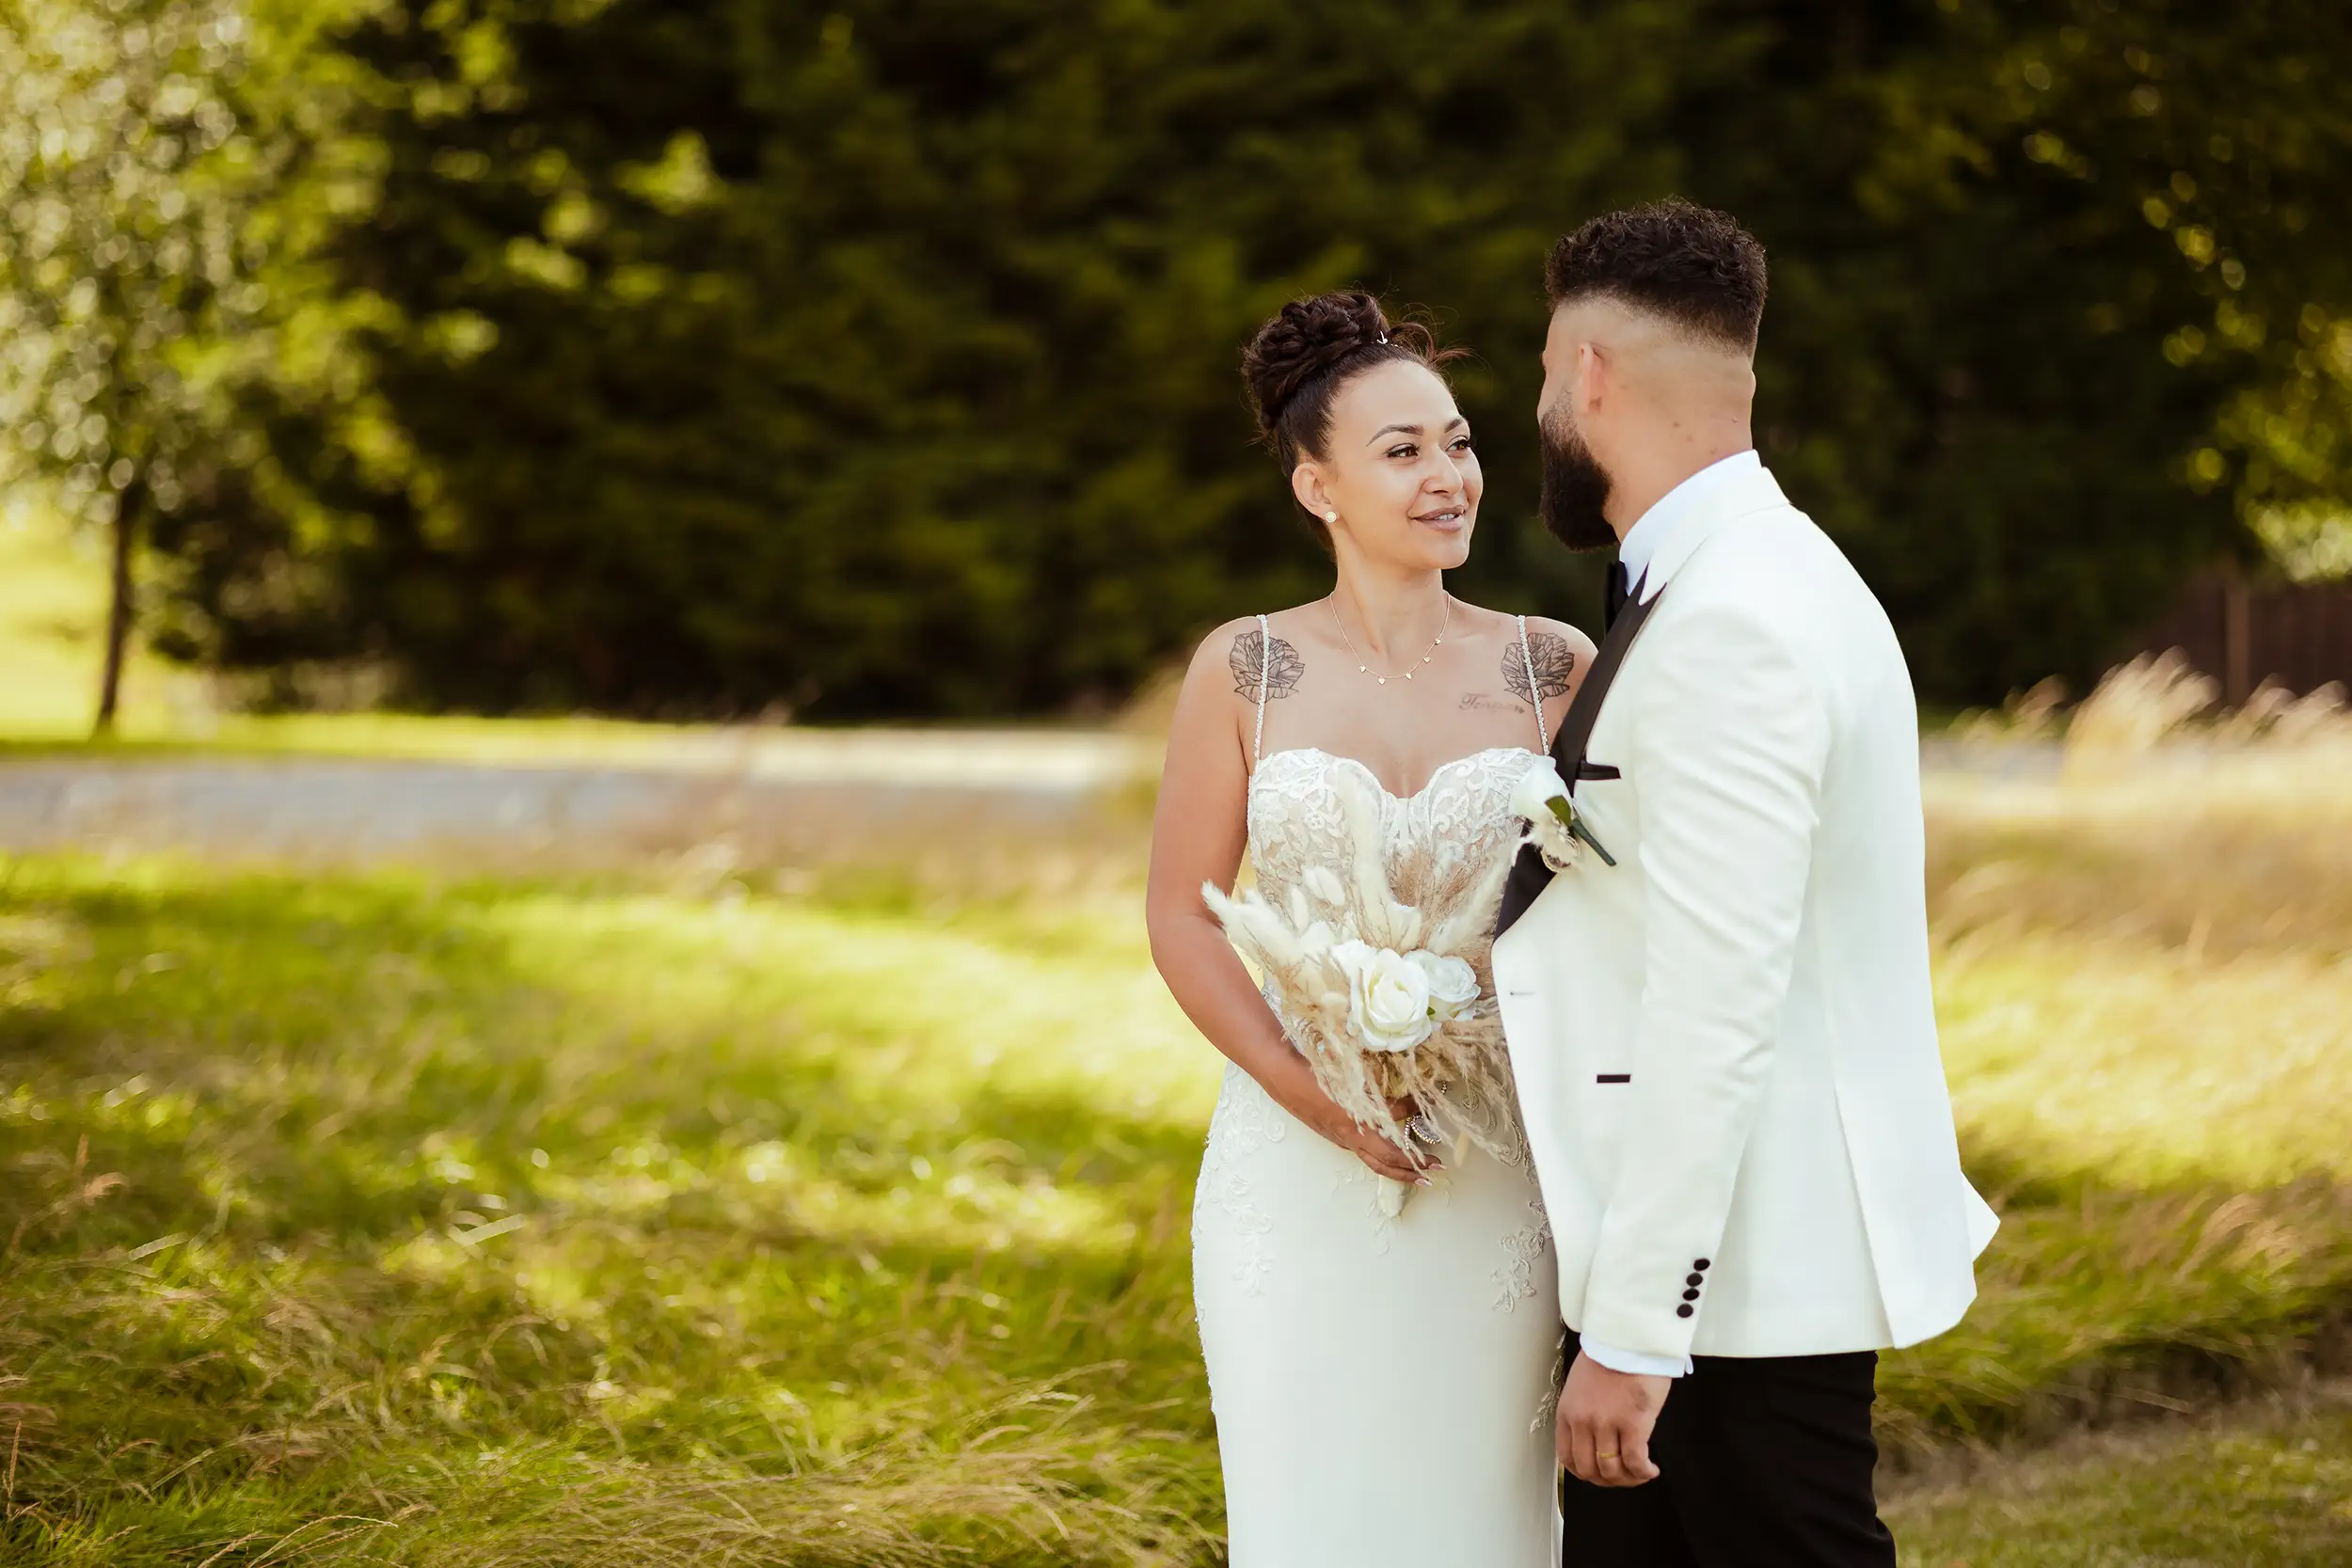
x,y
1542,630
1244,657
1560,633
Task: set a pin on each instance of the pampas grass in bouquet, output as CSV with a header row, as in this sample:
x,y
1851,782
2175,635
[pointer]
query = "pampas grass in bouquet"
x,y
1388,1001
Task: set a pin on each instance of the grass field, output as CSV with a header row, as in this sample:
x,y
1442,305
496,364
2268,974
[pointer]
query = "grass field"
x,y
2267,1487
401,1218
840,1219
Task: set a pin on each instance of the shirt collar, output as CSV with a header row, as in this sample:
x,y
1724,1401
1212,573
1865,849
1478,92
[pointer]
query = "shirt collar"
x,y
1674,511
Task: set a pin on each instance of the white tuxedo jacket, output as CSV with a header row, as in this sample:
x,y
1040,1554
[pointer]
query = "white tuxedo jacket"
x,y
1726,1045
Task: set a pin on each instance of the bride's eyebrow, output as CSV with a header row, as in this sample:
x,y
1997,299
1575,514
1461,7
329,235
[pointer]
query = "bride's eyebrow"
x,y
1455,423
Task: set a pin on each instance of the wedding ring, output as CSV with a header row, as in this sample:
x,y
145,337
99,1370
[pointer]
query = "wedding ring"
x,y
1424,1129
1605,1453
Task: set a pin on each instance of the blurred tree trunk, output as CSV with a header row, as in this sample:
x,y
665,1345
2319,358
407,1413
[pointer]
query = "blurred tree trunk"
x,y
130,512
2237,635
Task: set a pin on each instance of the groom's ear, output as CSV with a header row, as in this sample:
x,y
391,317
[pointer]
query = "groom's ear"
x,y
1595,376
1573,352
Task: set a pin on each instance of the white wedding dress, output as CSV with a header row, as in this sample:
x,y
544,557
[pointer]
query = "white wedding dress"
x,y
1382,1386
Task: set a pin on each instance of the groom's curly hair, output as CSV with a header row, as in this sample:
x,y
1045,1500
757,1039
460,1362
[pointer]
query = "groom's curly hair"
x,y
1692,265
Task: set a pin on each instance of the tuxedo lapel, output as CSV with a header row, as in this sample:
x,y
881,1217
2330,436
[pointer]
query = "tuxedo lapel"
x,y
1576,727
1530,875
1731,497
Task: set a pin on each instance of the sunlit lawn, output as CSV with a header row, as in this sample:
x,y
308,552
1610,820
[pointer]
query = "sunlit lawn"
x,y
400,1218
676,1216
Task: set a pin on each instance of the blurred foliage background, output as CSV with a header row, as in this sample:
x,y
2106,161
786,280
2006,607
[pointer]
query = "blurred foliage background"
x,y
709,357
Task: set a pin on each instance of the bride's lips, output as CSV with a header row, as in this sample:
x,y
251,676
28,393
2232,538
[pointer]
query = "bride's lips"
x,y
1450,519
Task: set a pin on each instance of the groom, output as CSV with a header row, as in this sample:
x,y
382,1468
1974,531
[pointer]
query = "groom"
x,y
1725,1043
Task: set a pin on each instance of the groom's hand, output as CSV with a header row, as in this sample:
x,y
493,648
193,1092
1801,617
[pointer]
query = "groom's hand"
x,y
1604,1424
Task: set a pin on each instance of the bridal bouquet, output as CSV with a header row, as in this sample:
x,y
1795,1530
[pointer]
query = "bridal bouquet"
x,y
1382,996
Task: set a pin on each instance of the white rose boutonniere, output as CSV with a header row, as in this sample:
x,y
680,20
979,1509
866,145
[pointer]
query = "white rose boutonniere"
x,y
1554,825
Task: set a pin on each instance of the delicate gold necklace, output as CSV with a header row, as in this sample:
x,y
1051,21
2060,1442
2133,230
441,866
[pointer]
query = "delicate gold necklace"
x,y
1361,668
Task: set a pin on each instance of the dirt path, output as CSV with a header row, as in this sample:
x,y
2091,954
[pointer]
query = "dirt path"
x,y
775,797
773,794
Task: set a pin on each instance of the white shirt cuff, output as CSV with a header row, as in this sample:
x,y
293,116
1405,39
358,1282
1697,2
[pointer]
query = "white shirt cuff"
x,y
1633,1363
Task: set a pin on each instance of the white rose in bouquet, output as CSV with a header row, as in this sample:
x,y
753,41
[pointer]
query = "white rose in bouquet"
x,y
1452,984
1387,996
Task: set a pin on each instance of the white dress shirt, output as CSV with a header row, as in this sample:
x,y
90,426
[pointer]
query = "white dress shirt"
x,y
1649,534
1642,543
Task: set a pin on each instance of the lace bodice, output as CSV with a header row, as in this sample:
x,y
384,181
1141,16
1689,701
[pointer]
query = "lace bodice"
x,y
1440,840
1325,835
1339,856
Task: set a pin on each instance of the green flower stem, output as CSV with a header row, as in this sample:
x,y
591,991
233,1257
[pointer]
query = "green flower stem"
x,y
1563,808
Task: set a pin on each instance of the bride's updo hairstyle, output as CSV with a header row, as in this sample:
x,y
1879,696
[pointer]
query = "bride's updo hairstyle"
x,y
1301,360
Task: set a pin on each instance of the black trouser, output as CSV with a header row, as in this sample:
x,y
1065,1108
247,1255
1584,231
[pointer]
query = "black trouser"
x,y
1762,1464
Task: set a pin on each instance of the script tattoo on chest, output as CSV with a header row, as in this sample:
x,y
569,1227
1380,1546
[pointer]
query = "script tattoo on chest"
x,y
1554,662
1253,665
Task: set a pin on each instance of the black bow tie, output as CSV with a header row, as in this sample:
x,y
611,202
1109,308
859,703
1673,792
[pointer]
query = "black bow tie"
x,y
1614,597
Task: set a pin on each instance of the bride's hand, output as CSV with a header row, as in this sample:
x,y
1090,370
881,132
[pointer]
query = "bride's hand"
x,y
1380,1156
1383,1157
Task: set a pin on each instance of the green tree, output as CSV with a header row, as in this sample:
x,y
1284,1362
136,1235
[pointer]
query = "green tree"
x,y
125,183
883,357
2043,270
877,356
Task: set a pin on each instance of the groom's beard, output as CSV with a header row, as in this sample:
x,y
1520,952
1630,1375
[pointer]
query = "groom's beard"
x,y
1576,488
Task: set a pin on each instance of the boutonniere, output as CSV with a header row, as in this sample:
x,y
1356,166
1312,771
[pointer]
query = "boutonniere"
x,y
1554,825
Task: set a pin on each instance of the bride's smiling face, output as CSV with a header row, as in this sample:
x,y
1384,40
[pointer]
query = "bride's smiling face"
x,y
1398,469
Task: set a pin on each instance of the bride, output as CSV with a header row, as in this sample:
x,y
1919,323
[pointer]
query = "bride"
x,y
1381,1381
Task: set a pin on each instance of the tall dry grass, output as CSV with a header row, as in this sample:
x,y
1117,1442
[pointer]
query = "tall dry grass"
x,y
2144,971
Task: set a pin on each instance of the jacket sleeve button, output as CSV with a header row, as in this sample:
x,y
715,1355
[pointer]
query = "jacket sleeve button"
x,y
1695,1279
1701,1264
1690,1295
1685,1310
